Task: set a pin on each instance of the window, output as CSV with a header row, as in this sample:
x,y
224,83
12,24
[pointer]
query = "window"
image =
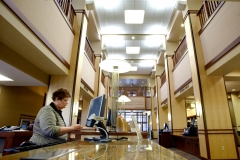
x,y
140,117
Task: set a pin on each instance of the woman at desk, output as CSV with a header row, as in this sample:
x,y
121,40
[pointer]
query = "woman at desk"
x,y
49,125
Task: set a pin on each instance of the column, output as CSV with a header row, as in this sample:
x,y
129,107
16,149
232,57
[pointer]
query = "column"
x,y
97,75
177,107
216,136
154,115
73,79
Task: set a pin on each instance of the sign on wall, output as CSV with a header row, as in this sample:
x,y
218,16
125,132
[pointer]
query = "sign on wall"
x,y
136,103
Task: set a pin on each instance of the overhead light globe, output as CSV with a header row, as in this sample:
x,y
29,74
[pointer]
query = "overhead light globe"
x,y
115,65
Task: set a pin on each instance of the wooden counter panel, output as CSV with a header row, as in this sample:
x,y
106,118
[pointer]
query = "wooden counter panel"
x,y
187,144
14,138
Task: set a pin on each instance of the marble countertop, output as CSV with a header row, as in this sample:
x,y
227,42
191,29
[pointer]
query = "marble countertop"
x,y
131,149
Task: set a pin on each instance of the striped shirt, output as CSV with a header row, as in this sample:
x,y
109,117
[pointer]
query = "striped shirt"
x,y
47,125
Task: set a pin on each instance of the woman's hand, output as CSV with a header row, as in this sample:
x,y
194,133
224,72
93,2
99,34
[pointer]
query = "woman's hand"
x,y
76,127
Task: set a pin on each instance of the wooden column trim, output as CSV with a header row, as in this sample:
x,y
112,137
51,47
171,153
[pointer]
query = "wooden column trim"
x,y
188,13
199,79
83,11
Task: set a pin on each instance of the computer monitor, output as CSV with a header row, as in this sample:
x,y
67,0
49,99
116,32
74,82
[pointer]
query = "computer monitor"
x,y
111,120
165,126
96,107
192,122
95,117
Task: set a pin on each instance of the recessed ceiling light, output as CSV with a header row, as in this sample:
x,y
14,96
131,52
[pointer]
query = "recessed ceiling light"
x,y
132,50
4,78
132,61
134,16
133,68
233,89
182,25
133,37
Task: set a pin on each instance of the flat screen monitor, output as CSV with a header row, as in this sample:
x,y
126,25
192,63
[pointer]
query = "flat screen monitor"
x,y
192,122
111,118
165,126
97,107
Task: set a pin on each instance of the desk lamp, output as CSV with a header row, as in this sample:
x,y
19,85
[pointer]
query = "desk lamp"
x,y
123,99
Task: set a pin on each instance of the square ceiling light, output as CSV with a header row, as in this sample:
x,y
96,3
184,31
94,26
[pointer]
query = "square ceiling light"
x,y
133,68
132,50
134,16
4,78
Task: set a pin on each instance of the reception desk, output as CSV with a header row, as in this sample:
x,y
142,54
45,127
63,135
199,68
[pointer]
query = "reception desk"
x,y
13,139
117,150
82,135
189,144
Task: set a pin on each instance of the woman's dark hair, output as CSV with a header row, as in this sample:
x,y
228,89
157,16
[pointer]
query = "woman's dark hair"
x,y
60,94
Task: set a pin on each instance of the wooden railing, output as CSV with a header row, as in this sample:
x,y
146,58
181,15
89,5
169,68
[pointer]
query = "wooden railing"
x,y
89,51
208,10
182,48
102,79
67,9
133,91
163,78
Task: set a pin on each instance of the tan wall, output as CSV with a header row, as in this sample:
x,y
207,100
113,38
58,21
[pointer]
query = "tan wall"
x,y
164,92
48,20
182,73
225,23
191,112
88,73
19,100
148,103
236,107
231,109
85,108
101,89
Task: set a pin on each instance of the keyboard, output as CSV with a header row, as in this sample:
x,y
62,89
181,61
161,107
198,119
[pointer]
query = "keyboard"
x,y
27,148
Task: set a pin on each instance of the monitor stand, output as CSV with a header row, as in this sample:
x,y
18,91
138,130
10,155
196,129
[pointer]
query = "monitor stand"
x,y
104,138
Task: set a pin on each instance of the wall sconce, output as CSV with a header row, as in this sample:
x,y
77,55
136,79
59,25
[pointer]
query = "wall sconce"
x,y
169,117
75,108
157,120
198,109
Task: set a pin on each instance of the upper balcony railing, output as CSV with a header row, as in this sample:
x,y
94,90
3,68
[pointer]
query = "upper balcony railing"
x,y
163,78
135,91
102,79
89,51
67,9
207,11
181,50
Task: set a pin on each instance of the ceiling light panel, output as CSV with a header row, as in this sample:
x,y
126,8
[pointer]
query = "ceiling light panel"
x,y
4,78
132,50
134,16
133,68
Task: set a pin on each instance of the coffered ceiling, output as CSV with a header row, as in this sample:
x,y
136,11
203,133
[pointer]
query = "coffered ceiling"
x,y
156,19
149,36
